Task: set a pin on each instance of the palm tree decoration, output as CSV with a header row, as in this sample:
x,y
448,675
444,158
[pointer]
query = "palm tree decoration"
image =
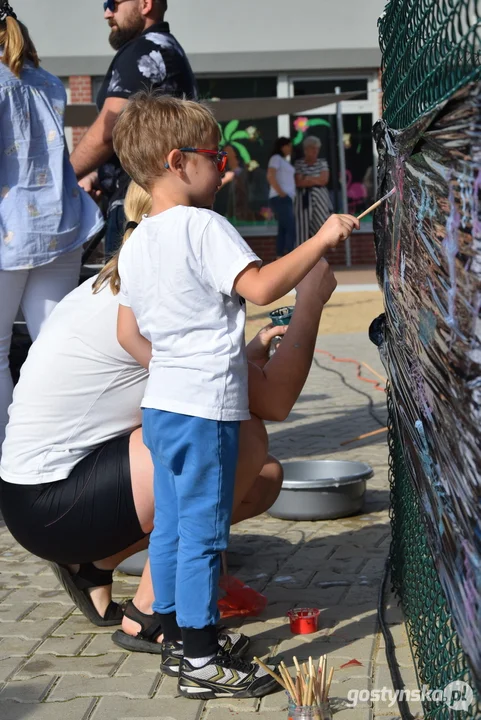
x,y
231,135
302,125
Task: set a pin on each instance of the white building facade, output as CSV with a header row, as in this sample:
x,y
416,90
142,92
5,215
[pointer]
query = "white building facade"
x,y
247,49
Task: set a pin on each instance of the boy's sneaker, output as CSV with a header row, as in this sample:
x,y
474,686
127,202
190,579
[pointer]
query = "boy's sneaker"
x,y
225,676
233,644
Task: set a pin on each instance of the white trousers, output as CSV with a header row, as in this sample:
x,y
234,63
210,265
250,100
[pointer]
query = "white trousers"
x,y
36,292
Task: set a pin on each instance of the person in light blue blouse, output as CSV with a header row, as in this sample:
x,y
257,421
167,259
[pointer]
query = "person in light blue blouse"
x,y
45,217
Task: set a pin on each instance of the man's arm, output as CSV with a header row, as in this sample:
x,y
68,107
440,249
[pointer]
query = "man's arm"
x,y
96,146
274,389
129,337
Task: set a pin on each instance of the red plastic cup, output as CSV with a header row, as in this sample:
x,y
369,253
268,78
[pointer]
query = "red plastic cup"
x,y
303,620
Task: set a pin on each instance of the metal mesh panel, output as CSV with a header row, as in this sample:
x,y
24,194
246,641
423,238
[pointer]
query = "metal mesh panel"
x,y
430,49
436,648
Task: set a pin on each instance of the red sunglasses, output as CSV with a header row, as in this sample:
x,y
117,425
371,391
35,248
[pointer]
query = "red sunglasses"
x,y
219,155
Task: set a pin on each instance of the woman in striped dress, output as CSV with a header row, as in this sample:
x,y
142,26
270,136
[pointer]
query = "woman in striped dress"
x,y
313,203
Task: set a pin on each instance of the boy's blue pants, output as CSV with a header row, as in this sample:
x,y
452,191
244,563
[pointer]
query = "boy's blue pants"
x,y
195,463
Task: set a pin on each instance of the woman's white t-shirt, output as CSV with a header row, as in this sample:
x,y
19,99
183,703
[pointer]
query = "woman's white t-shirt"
x,y
284,175
78,389
177,273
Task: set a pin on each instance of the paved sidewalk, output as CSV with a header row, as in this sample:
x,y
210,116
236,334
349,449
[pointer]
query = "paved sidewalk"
x,y
54,665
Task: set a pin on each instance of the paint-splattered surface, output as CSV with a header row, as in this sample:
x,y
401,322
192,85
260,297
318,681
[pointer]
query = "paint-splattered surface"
x,y
429,264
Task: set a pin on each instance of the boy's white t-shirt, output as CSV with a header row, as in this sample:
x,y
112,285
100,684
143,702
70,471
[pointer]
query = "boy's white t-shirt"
x,y
177,274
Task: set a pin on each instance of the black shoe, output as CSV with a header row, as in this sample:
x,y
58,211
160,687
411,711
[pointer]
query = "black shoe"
x,y
225,676
233,644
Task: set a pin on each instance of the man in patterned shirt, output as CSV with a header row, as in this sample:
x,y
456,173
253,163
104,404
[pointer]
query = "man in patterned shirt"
x,y
148,56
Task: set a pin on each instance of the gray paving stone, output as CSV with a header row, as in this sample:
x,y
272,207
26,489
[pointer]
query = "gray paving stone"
x,y
312,596
399,636
79,709
403,656
357,713
393,613
101,666
34,691
276,702
167,688
29,630
13,613
352,629
382,677
220,714
362,594
46,596
361,649
65,646
44,581
232,706
9,666
73,686
160,709
137,663
99,644
17,647
47,610
79,624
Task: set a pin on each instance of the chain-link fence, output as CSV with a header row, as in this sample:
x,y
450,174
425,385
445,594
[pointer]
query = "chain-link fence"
x,y
430,49
437,651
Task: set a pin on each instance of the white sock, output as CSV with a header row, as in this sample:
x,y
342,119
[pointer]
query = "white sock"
x,y
199,662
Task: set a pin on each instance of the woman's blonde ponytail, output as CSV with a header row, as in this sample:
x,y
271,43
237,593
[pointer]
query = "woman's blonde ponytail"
x,y
17,45
137,204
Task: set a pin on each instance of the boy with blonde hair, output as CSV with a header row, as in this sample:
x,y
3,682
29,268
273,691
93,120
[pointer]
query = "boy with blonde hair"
x,y
184,275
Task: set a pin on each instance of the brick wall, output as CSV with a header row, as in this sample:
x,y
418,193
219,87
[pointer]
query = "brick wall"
x,y
80,92
362,250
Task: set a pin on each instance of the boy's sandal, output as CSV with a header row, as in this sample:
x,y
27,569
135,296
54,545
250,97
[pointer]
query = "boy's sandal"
x,y
145,640
76,586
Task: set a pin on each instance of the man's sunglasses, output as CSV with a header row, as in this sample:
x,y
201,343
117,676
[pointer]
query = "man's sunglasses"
x,y
219,155
113,5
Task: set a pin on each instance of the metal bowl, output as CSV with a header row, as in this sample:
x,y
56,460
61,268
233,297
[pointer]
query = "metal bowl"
x,y
134,565
321,489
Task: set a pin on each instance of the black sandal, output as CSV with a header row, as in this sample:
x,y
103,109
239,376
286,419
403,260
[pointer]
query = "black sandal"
x,y
76,587
145,640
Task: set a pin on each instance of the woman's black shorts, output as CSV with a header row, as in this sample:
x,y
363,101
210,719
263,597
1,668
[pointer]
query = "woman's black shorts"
x,y
89,516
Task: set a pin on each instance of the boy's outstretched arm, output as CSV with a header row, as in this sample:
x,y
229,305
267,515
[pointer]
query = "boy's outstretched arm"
x,y
265,285
130,338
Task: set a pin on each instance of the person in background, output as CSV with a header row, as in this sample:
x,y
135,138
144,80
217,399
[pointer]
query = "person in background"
x,y
313,203
148,58
280,176
44,216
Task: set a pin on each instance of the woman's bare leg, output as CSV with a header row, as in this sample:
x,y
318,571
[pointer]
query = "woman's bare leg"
x,y
263,493
143,492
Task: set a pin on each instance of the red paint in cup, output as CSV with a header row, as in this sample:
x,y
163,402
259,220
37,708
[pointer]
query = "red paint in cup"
x,y
303,620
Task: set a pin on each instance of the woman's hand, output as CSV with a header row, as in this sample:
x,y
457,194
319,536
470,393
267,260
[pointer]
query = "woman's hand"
x,y
258,349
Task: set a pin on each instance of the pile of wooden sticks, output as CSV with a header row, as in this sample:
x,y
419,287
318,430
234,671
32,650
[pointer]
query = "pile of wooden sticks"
x,y
311,685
